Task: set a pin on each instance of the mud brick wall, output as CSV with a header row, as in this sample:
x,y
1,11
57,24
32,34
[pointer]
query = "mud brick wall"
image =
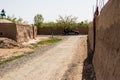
x,y
49,31
25,32
83,30
8,30
106,58
90,37
59,30
18,32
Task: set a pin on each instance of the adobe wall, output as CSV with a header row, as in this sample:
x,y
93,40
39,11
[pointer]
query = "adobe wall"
x,y
83,30
25,32
106,58
18,32
90,37
59,31
8,30
47,30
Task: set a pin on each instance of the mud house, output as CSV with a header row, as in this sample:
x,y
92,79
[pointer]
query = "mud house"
x,y
17,32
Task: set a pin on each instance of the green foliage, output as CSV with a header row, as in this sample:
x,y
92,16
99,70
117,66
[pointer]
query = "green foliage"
x,y
49,24
1,58
52,40
11,18
38,20
0,17
67,22
16,20
83,24
14,58
2,14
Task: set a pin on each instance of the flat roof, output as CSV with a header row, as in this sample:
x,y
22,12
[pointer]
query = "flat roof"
x,y
5,21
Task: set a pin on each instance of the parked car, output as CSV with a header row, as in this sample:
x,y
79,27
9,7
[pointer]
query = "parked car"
x,y
71,32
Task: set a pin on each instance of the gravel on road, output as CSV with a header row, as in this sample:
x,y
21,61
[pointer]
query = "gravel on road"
x,y
49,63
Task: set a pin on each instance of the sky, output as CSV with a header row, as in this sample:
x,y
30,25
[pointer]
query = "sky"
x,y
50,9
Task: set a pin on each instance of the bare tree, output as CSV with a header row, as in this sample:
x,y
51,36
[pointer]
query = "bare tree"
x,y
67,21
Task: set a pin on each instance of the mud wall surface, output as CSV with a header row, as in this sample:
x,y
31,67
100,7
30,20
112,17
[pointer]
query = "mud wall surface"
x,y
90,37
106,58
59,31
83,30
50,30
8,30
25,32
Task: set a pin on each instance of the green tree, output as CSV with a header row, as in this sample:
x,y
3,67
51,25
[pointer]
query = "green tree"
x,y
12,18
16,20
19,20
2,14
67,22
84,23
38,20
49,24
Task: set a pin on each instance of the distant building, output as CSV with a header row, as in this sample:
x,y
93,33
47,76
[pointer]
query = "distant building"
x,y
17,32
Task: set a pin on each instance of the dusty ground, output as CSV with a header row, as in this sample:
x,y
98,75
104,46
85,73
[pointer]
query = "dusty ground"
x,y
7,53
52,64
75,71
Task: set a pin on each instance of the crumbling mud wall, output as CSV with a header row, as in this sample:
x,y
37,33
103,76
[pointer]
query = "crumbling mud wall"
x,y
17,32
25,32
90,37
50,30
83,30
106,58
8,30
59,30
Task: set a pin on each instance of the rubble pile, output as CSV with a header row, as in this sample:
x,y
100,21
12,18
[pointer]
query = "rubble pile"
x,y
8,43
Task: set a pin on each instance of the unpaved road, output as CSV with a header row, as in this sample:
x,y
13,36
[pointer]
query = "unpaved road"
x,y
51,65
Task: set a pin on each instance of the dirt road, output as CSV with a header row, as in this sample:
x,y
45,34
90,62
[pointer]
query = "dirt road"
x,y
51,65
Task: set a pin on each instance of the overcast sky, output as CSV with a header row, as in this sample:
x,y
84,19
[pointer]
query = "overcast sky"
x,y
50,9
